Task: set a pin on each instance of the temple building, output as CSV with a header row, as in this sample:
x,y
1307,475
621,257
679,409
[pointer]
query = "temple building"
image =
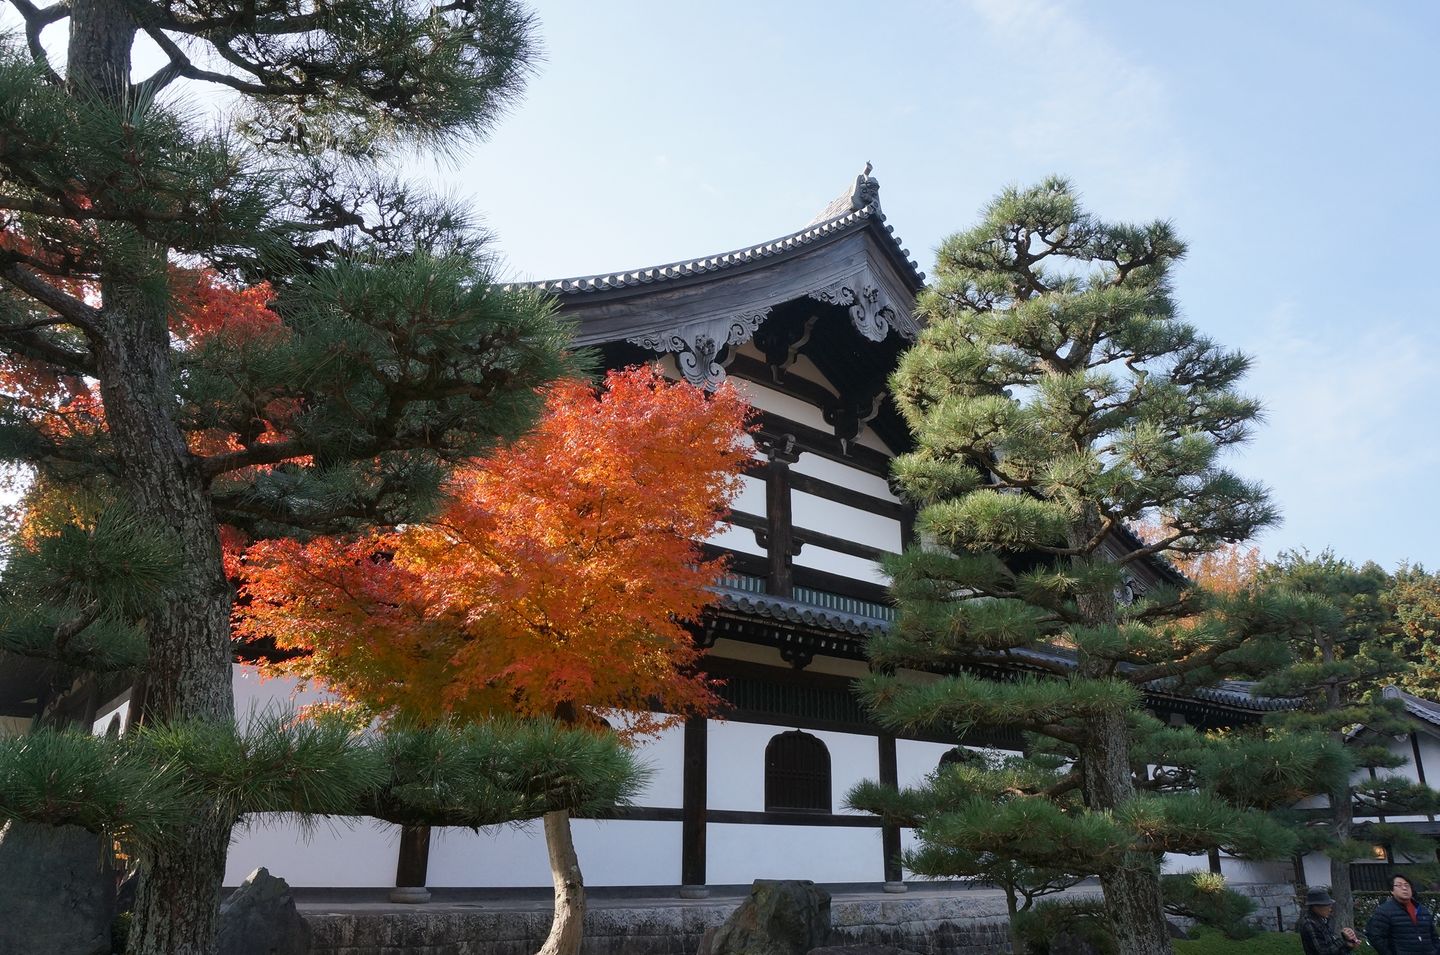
x,y
809,326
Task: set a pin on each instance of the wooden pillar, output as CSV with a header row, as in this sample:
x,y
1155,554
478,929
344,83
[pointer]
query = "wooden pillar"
x,y
889,834
693,816
780,538
1419,766
412,868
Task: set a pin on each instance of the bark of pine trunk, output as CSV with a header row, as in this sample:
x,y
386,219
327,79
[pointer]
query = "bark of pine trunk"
x,y
1343,820
188,669
1012,906
568,925
1131,889
1342,808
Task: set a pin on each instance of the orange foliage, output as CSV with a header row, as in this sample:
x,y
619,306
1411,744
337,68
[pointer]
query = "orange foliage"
x,y
557,579
1228,569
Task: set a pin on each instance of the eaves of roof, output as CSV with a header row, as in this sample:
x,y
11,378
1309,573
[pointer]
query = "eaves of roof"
x,y
855,211
1418,707
1237,694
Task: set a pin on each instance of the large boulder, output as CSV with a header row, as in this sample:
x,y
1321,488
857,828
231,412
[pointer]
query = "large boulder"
x,y
259,918
781,917
57,891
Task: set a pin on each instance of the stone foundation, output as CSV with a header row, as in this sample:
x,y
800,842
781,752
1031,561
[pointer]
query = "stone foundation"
x,y
970,923
931,923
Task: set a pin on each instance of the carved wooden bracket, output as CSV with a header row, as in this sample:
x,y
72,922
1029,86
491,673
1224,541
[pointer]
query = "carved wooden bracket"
x,y
781,342
698,346
871,312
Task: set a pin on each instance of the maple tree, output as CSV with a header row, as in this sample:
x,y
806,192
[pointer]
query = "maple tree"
x,y
556,580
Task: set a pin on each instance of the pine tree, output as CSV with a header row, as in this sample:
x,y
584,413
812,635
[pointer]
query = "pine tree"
x,y
1341,663
1055,396
391,353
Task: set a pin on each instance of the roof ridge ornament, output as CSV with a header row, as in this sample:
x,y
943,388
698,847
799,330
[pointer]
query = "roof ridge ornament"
x,y
866,191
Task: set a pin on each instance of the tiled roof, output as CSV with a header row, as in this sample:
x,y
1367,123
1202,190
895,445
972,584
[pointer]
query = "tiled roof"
x,y
1239,694
1417,707
851,212
786,610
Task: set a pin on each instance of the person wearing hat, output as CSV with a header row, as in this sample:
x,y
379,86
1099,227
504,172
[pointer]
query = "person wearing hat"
x,y
1401,925
1316,934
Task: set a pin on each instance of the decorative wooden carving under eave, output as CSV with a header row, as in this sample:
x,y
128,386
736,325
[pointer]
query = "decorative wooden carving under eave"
x,y
699,346
781,341
871,311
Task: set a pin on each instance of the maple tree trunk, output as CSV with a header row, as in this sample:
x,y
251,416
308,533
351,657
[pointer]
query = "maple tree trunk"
x,y
568,925
188,667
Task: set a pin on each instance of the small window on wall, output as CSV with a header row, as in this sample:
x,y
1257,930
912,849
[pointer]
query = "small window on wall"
x,y
797,773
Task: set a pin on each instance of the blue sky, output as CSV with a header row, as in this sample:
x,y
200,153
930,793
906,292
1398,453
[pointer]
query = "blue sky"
x,y
1294,145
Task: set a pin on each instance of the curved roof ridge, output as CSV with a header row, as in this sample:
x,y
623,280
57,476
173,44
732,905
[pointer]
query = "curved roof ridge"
x,y
862,207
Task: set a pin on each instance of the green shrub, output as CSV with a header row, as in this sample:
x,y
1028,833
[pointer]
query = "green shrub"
x,y
1083,918
1203,897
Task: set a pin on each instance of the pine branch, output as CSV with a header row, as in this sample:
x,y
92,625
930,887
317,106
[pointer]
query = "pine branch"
x,y
72,309
36,20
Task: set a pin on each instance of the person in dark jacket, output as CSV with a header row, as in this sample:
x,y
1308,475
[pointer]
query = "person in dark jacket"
x,y
1401,925
1317,936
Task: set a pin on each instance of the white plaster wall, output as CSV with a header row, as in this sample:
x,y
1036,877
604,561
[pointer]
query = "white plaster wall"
x,y
257,694
337,853
857,568
740,854
737,539
1430,756
915,760
841,520
611,852
844,475
664,755
118,708
751,498
767,399
1241,871
735,779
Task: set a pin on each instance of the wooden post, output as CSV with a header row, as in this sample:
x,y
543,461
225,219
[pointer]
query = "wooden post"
x,y
779,526
693,797
412,869
890,834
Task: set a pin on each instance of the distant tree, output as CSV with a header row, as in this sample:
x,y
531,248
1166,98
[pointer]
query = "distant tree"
x,y
1341,663
1413,626
557,581
1226,569
1055,396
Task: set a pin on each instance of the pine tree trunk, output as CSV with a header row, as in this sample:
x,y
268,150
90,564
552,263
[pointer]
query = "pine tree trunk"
x,y
1132,890
1012,906
177,900
188,669
567,928
1342,820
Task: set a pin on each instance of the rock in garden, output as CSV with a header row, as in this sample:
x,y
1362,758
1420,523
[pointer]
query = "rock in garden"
x,y
57,891
259,918
781,917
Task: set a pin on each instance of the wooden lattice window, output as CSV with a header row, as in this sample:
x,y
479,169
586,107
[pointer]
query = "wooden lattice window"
x,y
797,773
